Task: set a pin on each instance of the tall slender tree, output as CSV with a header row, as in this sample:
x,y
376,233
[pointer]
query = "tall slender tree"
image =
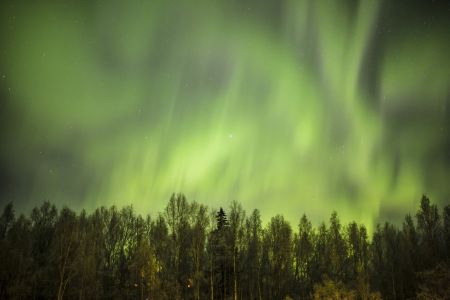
x,y
304,250
237,218
429,225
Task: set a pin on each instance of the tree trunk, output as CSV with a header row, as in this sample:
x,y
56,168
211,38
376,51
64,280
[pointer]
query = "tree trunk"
x,y
197,272
234,275
60,291
259,285
80,297
142,287
211,280
224,277
393,283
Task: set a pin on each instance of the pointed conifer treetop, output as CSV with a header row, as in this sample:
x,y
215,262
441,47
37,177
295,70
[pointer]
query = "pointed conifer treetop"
x,y
221,218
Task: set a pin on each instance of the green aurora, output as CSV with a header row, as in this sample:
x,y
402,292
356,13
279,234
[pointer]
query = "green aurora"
x,y
287,106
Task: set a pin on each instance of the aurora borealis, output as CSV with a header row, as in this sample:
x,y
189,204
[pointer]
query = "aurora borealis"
x,y
287,106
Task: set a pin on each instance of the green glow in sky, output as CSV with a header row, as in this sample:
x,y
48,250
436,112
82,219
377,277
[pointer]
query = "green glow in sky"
x,y
288,106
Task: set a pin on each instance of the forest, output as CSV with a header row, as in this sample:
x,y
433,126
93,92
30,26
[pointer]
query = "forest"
x,y
189,251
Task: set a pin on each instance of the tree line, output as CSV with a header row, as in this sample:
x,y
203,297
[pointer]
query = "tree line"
x,y
191,252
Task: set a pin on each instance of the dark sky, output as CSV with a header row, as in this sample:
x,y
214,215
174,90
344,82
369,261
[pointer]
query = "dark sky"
x,y
287,106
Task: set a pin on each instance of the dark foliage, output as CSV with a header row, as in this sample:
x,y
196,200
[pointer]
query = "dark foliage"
x,y
190,253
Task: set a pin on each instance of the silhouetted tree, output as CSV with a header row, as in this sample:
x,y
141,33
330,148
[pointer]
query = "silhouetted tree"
x,y
222,255
43,220
428,224
199,233
279,235
65,249
336,249
304,251
252,256
237,218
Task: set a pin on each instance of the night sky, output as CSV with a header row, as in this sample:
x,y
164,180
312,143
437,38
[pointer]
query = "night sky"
x,y
287,106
